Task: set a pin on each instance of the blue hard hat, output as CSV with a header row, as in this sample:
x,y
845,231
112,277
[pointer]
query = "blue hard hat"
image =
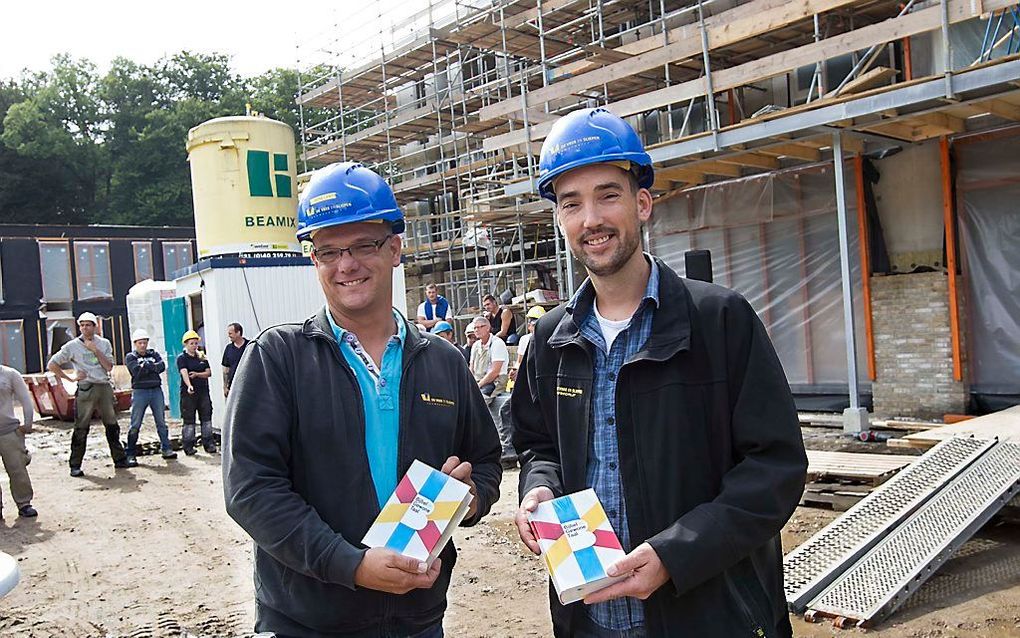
x,y
591,136
442,326
345,193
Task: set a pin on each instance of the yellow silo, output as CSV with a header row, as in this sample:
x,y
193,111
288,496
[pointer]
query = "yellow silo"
x,y
244,186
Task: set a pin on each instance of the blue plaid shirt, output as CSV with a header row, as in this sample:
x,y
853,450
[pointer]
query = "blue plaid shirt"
x,y
603,474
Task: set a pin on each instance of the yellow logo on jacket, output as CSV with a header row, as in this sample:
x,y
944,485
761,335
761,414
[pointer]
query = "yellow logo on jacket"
x,y
431,400
570,393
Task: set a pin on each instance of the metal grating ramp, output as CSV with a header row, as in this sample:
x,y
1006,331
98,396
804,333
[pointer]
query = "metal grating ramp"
x,y
883,579
817,562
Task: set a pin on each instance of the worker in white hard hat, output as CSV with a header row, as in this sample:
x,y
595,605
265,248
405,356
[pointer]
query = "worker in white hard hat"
x,y
146,366
91,357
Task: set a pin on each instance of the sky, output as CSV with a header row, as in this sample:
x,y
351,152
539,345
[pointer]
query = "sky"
x,y
258,36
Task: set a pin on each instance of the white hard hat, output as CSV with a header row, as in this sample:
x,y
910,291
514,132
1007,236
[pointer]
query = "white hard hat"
x,y
88,316
139,334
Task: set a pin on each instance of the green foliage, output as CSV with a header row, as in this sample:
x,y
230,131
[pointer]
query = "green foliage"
x,y
79,147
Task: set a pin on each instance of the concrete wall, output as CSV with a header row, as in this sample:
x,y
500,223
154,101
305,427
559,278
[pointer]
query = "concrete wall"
x,y
909,198
913,351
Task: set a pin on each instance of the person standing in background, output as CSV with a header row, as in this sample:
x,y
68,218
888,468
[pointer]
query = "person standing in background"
x,y
91,356
145,367
12,439
195,372
232,354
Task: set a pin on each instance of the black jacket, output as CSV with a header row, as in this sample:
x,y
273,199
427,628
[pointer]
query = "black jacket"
x,y
296,475
145,370
712,460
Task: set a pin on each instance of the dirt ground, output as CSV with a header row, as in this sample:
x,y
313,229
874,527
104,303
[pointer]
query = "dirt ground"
x,y
150,552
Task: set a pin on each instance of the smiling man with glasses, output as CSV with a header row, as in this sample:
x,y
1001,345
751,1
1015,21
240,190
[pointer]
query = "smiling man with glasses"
x,y
327,415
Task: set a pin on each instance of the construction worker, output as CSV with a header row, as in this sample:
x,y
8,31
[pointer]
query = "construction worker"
x,y
434,309
502,321
193,366
326,415
470,337
666,397
13,451
236,343
146,366
91,356
444,330
534,314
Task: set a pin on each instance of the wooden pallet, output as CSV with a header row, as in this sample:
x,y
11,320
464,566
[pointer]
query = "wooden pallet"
x,y
873,469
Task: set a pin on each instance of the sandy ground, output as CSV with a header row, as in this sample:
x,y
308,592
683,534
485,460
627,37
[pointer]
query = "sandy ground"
x,y
150,552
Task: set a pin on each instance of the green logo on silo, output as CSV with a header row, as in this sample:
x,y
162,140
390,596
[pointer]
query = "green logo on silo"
x,y
261,180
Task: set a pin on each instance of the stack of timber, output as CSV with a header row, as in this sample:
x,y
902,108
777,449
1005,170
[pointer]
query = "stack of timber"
x,y
1003,425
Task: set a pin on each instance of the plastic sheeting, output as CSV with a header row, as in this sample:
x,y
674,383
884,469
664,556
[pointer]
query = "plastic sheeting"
x,y
988,189
774,239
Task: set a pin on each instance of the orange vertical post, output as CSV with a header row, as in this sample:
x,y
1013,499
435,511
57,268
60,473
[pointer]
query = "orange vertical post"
x,y
862,242
908,64
948,217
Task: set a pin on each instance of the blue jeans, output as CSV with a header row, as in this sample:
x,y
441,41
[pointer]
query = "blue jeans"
x,y
148,398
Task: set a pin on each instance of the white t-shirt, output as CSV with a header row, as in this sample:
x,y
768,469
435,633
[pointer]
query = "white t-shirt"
x,y
522,345
497,350
610,329
435,311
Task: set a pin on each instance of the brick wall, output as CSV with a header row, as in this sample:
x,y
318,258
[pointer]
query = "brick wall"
x,y
913,350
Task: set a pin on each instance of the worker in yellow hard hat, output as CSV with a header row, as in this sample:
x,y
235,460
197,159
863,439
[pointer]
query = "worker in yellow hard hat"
x,y
534,315
195,372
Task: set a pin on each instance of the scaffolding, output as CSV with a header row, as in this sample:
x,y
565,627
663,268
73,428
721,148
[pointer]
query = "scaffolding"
x,y
450,101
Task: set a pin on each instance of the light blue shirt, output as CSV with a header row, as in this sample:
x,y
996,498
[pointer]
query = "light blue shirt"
x,y
380,395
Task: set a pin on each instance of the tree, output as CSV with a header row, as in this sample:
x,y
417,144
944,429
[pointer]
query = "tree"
x,y
78,147
60,122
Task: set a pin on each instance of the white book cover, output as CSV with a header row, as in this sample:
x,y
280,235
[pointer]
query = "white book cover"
x,y
578,544
421,514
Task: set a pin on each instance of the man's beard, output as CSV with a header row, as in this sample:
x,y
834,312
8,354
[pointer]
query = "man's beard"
x,y
616,261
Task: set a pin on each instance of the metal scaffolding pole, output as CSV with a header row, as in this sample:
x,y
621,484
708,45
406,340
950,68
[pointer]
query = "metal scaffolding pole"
x,y
713,117
854,417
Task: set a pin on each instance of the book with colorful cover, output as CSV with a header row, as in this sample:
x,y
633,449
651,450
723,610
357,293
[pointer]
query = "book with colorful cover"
x,y
421,514
578,544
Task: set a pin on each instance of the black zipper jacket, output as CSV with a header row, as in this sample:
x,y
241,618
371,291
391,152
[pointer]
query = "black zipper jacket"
x,y
145,369
296,474
712,460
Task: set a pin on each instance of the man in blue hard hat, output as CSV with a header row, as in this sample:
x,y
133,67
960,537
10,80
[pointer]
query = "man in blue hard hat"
x,y
665,396
324,418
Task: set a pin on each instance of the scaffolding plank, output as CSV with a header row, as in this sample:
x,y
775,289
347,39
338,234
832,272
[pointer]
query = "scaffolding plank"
x,y
893,570
818,561
773,65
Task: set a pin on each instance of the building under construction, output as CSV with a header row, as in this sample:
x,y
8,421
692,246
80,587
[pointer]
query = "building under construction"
x,y
744,106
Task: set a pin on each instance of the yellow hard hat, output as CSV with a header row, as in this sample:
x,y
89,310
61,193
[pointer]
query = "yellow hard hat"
x,y
190,334
536,312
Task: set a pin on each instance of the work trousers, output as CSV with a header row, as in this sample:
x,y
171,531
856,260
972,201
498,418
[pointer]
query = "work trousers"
x,y
87,399
16,459
201,403
152,398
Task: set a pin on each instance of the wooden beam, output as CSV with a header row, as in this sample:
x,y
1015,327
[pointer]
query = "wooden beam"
x,y
875,77
728,27
751,160
1002,108
777,64
942,121
684,173
715,167
795,151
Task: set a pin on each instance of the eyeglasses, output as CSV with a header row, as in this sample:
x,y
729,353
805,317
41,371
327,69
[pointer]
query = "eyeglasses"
x,y
359,251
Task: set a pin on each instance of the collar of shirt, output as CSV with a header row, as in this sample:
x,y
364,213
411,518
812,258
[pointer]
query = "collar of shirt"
x,y
584,298
346,336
